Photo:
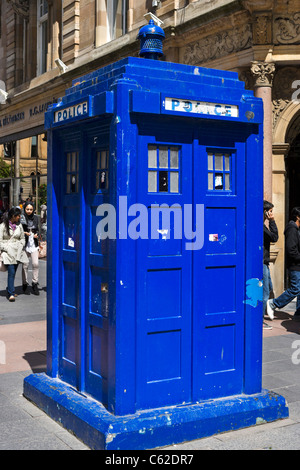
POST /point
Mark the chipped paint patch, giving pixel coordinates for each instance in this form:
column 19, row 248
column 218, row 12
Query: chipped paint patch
column 254, row 292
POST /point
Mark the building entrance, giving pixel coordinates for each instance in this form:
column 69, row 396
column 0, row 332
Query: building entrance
column 293, row 177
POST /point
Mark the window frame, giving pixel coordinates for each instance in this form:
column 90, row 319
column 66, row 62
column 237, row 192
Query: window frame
column 221, row 172
column 111, row 14
column 42, row 36
column 162, row 170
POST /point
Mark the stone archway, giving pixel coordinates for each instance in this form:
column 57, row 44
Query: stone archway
column 286, row 135
column 286, row 150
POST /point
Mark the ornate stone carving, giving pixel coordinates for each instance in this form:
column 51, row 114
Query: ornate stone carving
column 218, row 45
column 258, row 5
column 287, row 29
column 263, row 73
column 278, row 107
column 262, row 31
column 21, row 7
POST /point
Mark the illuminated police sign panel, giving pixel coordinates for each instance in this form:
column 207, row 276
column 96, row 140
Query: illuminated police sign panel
column 201, row 107
column 78, row 110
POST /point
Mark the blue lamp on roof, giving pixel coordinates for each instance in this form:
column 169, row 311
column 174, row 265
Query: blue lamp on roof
column 151, row 37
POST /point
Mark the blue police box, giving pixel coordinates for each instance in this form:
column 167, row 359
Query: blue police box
column 154, row 308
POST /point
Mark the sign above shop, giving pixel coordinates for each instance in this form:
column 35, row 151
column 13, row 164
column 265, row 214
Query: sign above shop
column 200, row 107
column 15, row 120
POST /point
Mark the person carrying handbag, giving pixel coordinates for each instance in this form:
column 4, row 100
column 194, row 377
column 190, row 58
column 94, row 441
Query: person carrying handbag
column 31, row 230
column 12, row 243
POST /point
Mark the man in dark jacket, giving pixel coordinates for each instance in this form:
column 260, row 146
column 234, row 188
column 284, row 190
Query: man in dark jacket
column 292, row 247
column 270, row 236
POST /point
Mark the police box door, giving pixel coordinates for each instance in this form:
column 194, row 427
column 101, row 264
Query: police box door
column 83, row 299
column 164, row 268
column 190, row 290
column 219, row 267
column 70, row 207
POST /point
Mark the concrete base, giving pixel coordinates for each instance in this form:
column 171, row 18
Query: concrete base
column 99, row 429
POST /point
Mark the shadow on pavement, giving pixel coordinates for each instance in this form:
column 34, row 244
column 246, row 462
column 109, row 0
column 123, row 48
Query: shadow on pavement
column 37, row 361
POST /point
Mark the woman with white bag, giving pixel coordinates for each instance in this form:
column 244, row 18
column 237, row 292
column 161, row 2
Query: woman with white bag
column 12, row 242
column 31, row 229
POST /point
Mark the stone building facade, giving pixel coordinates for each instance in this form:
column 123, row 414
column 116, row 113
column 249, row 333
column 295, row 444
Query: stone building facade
column 44, row 45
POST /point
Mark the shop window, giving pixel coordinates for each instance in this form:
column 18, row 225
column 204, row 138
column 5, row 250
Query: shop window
column 219, row 170
column 34, row 147
column 9, row 149
column 163, row 169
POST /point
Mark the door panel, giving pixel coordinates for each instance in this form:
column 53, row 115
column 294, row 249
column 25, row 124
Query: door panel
column 96, row 267
column 71, row 185
column 84, row 267
column 164, row 273
column 218, row 292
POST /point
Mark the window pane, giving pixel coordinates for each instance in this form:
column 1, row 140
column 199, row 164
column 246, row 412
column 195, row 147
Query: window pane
column 103, row 159
column 174, row 157
column 74, row 162
column 218, row 161
column 163, row 157
column 68, row 183
column 152, row 157
column 227, row 162
column 210, row 181
column 44, row 45
column 74, row 184
column 68, row 162
column 174, row 182
column 152, row 181
column 227, row 181
column 163, row 181
column 43, row 7
column 98, row 160
column 210, row 161
column 219, row 181
column 103, row 180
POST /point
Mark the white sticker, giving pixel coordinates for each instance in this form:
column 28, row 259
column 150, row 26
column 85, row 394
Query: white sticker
column 213, row 237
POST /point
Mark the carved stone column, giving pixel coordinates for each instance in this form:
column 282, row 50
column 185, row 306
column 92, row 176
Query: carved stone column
column 263, row 73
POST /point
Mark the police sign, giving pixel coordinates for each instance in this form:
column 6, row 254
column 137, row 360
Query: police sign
column 201, row 107
column 78, row 110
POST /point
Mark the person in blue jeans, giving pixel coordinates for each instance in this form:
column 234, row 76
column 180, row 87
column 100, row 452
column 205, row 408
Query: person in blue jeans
column 292, row 247
column 270, row 236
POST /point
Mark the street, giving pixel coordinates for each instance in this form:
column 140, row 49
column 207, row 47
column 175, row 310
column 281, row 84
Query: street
column 23, row 351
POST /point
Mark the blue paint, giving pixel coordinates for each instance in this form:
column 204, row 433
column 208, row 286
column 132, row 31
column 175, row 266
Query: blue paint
column 150, row 326
column 254, row 292
column 100, row 430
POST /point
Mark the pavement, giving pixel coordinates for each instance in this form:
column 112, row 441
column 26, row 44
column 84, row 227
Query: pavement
column 23, row 426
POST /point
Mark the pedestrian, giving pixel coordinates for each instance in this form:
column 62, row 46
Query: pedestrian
column 31, row 230
column 270, row 236
column 44, row 222
column 12, row 243
column 292, row 248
